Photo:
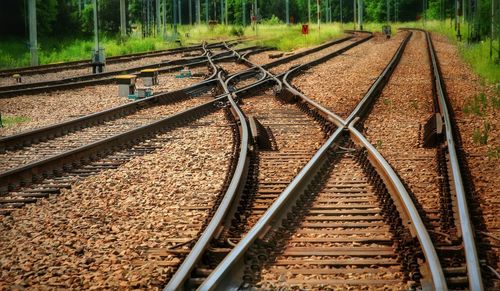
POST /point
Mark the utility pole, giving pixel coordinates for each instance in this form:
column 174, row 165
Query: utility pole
column 206, row 11
column 360, row 14
column 355, row 14
column 459, row 36
column 198, row 12
column 492, row 29
column 227, row 14
column 158, row 18
column 388, row 11
column 341, row 13
column 424, row 6
column 309, row 10
column 318, row 12
column 96, row 27
column 256, row 17
column 174, row 10
column 287, row 6
column 190, row 12
column 221, row 11
column 179, row 5
column 33, row 34
column 164, row 20
column 123, row 19
column 243, row 10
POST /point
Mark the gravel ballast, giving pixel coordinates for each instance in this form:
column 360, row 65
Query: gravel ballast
column 396, row 124
column 462, row 86
column 102, row 233
column 340, row 83
column 53, row 107
column 87, row 71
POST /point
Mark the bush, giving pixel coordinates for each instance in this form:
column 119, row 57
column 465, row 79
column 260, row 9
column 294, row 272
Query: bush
column 272, row 21
column 237, row 31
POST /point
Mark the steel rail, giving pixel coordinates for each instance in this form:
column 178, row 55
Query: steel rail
column 235, row 187
column 471, row 256
column 225, row 274
column 34, row 171
column 182, row 274
column 377, row 86
column 33, row 136
column 48, row 68
column 223, row 277
column 400, row 194
column 41, row 134
column 102, row 78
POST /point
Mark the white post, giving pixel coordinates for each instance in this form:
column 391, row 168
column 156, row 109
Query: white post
column 287, row 6
column 164, row 17
column 123, row 19
column 179, row 5
column 243, row 9
column 360, row 14
column 388, row 9
column 355, row 14
column 198, row 12
column 206, row 11
column 33, row 34
column 341, row 15
column 158, row 20
column 309, row 10
column 190, row 12
column 96, row 27
column 318, row 11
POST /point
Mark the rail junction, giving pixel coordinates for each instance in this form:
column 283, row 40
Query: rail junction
column 304, row 198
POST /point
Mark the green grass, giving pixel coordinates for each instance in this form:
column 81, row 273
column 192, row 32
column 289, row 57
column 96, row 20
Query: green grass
column 477, row 55
column 12, row 120
column 14, row 53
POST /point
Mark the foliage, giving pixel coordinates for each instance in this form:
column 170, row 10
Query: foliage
column 7, row 121
column 481, row 136
column 272, row 21
column 476, row 105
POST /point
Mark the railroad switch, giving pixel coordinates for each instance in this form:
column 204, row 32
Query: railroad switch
column 386, row 29
column 149, row 77
column 98, row 61
column 185, row 73
column 433, row 131
column 142, row 92
column 17, row 77
column 126, row 85
column 260, row 134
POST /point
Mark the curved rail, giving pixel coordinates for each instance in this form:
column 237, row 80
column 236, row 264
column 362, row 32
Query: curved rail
column 103, row 78
column 223, row 276
column 235, row 187
column 471, row 257
column 416, row 224
column 33, row 136
column 48, row 68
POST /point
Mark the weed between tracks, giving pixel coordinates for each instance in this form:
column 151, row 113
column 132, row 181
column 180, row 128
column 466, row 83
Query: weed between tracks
column 7, row 121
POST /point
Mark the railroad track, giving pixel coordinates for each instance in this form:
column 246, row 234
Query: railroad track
column 85, row 64
column 108, row 77
column 266, row 229
column 349, row 189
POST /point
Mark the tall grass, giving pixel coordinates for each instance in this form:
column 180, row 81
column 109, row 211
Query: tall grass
column 14, row 53
column 477, row 55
